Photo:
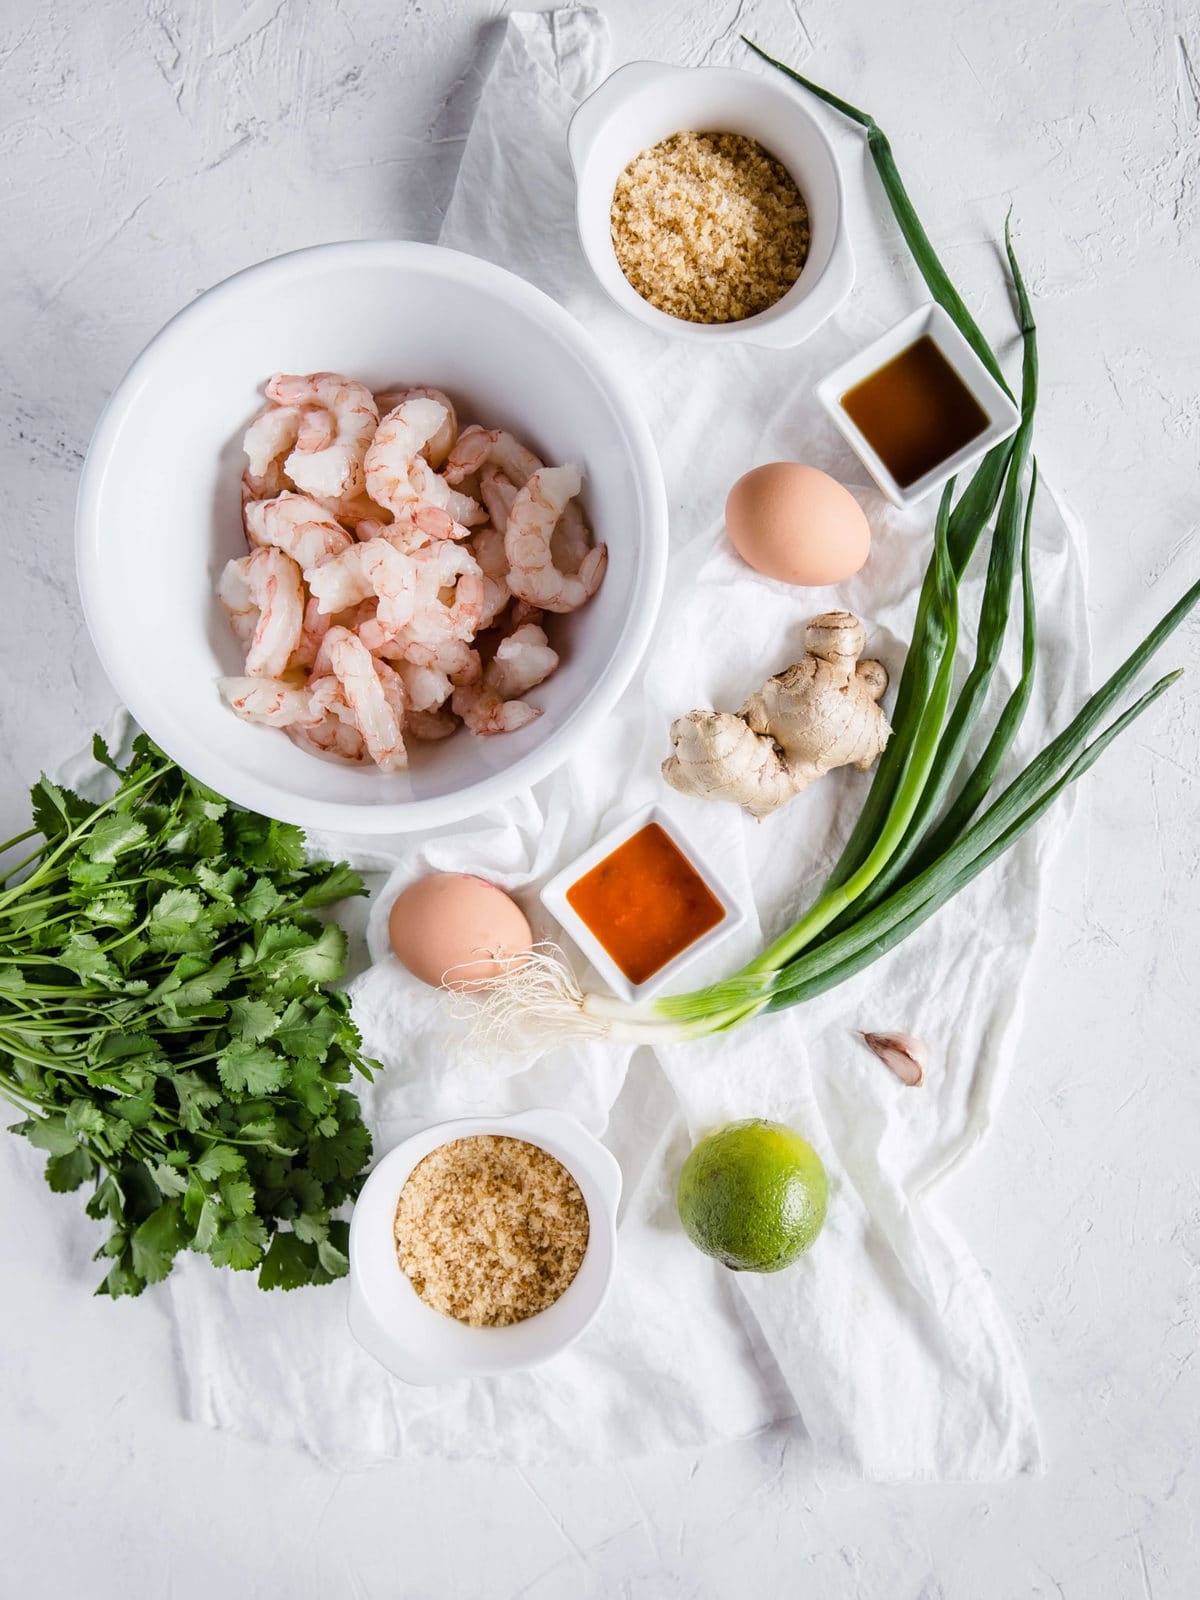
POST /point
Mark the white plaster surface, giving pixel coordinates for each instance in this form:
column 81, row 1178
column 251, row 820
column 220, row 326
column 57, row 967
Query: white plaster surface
column 151, row 147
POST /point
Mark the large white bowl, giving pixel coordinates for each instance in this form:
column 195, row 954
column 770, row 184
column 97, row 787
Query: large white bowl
column 158, row 512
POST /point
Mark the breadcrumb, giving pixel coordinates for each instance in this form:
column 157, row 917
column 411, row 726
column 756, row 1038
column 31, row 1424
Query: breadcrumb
column 709, row 227
column 490, row 1230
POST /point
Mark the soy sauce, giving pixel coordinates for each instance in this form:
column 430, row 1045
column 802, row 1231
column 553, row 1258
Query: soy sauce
column 915, row 412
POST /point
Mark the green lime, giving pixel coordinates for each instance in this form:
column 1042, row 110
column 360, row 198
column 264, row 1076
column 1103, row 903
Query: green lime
column 753, row 1194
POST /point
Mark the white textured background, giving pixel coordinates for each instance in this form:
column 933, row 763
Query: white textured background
column 148, row 149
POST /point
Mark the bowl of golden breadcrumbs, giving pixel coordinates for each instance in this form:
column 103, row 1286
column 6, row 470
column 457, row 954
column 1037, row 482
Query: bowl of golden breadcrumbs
column 710, row 204
column 482, row 1246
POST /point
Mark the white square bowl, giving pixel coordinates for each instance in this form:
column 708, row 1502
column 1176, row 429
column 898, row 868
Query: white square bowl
column 554, row 898
column 1002, row 414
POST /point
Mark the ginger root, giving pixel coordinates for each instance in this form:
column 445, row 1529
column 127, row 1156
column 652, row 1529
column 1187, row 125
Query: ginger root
column 819, row 714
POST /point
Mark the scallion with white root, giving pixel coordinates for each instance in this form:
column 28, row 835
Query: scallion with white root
column 931, row 821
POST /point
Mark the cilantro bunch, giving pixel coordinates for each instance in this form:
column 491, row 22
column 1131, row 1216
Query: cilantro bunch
column 164, row 1025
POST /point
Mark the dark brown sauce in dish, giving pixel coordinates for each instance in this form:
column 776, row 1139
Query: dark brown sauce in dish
column 915, row 412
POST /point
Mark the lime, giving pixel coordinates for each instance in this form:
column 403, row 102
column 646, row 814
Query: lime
column 753, row 1194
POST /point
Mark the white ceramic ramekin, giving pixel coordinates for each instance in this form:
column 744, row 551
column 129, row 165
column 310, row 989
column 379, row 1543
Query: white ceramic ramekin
column 554, row 898
column 644, row 102
column 1002, row 414
column 418, row 1344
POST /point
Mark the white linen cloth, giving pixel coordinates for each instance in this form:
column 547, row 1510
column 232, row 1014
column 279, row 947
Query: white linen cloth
column 885, row 1343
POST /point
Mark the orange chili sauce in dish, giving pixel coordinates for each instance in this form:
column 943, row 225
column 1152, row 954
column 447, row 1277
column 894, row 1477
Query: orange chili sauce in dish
column 645, row 903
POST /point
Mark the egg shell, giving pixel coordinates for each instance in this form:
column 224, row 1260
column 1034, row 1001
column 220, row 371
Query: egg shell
column 450, row 920
column 797, row 524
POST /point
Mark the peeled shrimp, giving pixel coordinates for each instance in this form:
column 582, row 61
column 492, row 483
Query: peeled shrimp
column 487, row 546
column 268, row 583
column 430, row 725
column 371, row 571
column 237, row 602
column 438, row 446
column 450, row 603
column 272, row 436
column 522, row 660
column 329, row 737
column 452, row 657
column 427, row 688
column 298, row 526
column 376, row 570
column 396, row 472
column 336, row 470
column 532, row 574
column 266, row 700
column 498, row 495
column 494, row 705
column 485, row 712
column 374, row 694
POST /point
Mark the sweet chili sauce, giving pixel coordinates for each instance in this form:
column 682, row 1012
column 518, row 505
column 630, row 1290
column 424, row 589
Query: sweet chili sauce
column 645, row 903
column 915, row 411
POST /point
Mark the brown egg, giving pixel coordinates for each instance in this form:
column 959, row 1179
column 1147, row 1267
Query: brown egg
column 455, row 929
column 797, row 524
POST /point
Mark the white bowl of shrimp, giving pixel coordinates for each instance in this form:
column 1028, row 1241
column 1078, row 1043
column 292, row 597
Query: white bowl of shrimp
column 370, row 537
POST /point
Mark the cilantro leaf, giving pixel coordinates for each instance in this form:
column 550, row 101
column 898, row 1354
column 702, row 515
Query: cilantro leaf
column 112, row 836
column 252, row 1019
column 179, row 921
column 239, row 1244
column 157, row 1241
column 68, row 1172
column 247, row 1068
column 288, row 1264
column 337, row 882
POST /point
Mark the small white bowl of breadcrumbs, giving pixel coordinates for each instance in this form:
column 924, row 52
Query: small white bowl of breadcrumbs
column 483, row 1246
column 710, row 204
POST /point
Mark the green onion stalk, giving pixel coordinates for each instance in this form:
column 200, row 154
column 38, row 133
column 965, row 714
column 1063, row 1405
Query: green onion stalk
column 931, row 820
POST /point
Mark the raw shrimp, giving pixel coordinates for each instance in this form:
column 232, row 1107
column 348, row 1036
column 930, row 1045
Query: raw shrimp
column 272, row 435
column 570, row 543
column 532, row 574
column 429, row 725
column 427, row 689
column 471, row 451
column 516, row 462
column 498, row 496
column 362, row 571
column 396, row 472
column 312, row 632
column 452, row 657
column 298, row 526
column 484, row 711
column 438, row 447
column 267, row 700
column 335, row 471
column 373, row 567
column 329, row 737
column 237, row 602
column 493, row 705
column 446, row 568
column 522, row 660
column 267, row 582
column 374, row 693
column 477, row 447
column 487, row 546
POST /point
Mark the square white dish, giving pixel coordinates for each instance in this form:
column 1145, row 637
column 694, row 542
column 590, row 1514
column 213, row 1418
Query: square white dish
column 554, row 898
column 1002, row 413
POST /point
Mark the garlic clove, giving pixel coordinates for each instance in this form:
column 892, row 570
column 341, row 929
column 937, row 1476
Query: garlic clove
column 902, row 1054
